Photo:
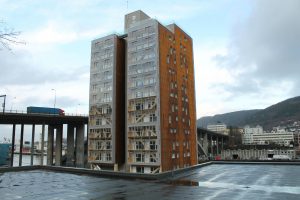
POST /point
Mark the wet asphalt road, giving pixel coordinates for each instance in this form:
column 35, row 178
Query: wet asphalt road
column 210, row 182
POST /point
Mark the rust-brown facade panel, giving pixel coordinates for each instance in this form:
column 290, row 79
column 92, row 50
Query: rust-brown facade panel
column 178, row 128
column 120, row 102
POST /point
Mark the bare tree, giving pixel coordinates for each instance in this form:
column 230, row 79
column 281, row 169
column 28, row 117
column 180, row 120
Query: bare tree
column 8, row 36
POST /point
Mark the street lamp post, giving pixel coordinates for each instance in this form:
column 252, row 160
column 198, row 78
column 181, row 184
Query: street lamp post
column 54, row 97
column 3, row 105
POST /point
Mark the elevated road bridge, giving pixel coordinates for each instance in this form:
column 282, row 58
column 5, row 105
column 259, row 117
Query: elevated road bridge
column 54, row 123
column 210, row 144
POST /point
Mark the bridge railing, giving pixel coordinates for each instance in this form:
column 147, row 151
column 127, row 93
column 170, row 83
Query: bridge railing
column 76, row 114
column 15, row 111
column 25, row 112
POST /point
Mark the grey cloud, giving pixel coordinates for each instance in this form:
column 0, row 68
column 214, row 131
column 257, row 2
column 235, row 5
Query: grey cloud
column 18, row 68
column 265, row 47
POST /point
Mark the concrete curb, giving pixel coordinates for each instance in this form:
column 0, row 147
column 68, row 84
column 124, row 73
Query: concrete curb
column 258, row 162
column 165, row 176
column 103, row 173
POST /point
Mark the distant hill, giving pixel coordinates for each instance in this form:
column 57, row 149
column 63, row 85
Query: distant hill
column 281, row 113
column 233, row 118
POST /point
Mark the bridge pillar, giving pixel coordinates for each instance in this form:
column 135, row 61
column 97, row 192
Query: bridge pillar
column 21, row 144
column 211, row 146
column 80, row 146
column 205, row 144
column 58, row 145
column 70, row 146
column 222, row 143
column 32, row 144
column 42, row 145
column 217, row 145
column 50, row 145
column 13, row 145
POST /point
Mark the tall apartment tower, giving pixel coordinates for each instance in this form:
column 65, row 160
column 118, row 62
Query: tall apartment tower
column 107, row 96
column 160, row 113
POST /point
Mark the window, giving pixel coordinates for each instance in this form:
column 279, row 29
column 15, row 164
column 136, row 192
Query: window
column 171, row 85
column 96, row 55
column 153, row 145
column 170, row 119
column 107, row 75
column 96, row 64
column 139, row 106
column 138, row 94
column 108, row 110
column 138, row 83
column 108, row 145
column 139, row 157
column 151, row 80
column 106, row 97
column 106, row 64
column 99, row 157
column 152, row 118
column 137, row 117
column 139, row 145
column 152, row 158
column 139, row 169
column 97, row 121
column 107, row 86
column 108, row 157
column 98, row 145
column 150, row 103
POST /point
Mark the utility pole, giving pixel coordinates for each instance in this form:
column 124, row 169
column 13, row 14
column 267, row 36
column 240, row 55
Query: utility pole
column 3, row 104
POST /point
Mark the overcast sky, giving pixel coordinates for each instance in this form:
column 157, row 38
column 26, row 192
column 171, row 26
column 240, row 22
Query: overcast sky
column 247, row 53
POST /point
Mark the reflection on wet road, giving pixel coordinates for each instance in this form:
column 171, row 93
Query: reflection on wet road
column 210, row 182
